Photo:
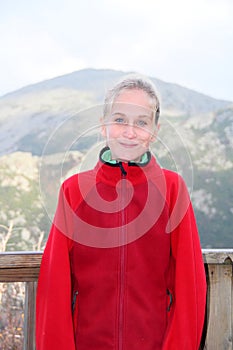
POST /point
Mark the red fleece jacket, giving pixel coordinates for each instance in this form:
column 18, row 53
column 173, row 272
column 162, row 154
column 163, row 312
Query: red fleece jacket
column 122, row 268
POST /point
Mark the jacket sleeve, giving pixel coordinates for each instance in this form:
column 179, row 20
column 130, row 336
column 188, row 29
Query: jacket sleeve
column 54, row 325
column 189, row 283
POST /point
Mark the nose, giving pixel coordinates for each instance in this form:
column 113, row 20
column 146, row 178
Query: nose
column 129, row 131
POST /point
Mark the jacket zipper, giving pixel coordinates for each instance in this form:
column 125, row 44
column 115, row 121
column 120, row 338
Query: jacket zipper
column 122, row 263
column 121, row 295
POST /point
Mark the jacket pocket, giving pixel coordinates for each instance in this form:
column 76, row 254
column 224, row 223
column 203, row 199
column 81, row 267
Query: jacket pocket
column 170, row 300
column 75, row 309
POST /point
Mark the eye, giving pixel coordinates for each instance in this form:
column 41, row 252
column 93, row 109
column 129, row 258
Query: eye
column 119, row 120
column 142, row 123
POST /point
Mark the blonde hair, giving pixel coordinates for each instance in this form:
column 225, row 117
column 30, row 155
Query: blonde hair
column 133, row 82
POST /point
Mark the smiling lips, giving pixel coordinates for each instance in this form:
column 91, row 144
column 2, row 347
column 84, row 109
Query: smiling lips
column 128, row 145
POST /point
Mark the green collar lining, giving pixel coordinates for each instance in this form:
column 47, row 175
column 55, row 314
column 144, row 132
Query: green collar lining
column 107, row 157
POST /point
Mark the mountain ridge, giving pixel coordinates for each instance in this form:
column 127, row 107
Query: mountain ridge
column 78, row 80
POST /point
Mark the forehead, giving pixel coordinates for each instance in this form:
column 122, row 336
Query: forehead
column 132, row 101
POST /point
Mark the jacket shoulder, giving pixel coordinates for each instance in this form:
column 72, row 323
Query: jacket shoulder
column 76, row 187
column 73, row 181
column 172, row 178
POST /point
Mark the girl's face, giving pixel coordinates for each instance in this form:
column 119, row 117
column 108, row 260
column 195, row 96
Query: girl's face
column 130, row 127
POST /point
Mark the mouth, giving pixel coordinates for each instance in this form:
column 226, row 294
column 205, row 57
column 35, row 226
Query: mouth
column 128, row 145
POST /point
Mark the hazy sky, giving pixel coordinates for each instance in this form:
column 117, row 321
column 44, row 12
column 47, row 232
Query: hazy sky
column 188, row 42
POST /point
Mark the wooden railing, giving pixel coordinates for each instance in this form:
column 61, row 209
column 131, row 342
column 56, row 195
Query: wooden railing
column 23, row 267
column 218, row 330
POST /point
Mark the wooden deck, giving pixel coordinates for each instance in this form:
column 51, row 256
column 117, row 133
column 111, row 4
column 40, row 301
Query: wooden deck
column 218, row 330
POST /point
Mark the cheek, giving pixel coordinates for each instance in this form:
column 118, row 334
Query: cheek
column 113, row 131
column 145, row 136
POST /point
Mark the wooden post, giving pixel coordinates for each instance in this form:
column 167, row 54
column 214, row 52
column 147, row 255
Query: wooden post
column 29, row 319
column 219, row 301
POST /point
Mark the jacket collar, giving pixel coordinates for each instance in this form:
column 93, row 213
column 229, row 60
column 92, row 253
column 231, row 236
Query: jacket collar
column 111, row 171
column 106, row 157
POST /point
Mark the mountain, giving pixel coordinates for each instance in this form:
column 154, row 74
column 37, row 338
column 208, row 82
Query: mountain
column 51, row 129
column 29, row 115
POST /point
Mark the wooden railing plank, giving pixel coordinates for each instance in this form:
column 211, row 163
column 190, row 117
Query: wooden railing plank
column 217, row 256
column 19, row 266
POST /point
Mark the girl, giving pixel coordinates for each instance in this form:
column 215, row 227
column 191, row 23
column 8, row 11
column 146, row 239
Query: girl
column 122, row 268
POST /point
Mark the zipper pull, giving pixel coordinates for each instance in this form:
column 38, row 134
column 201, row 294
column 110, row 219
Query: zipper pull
column 123, row 171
